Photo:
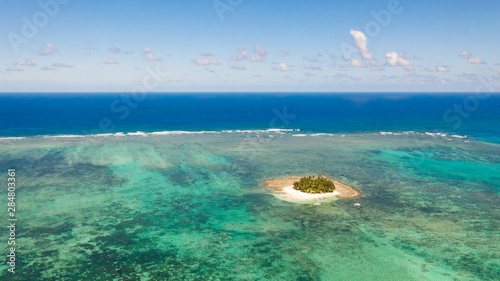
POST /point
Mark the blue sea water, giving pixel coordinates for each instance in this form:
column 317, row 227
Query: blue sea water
column 183, row 199
column 51, row 114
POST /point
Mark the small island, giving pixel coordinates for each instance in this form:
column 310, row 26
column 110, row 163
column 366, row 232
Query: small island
column 314, row 184
column 310, row 188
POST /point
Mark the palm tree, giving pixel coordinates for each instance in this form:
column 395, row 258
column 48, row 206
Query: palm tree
column 312, row 184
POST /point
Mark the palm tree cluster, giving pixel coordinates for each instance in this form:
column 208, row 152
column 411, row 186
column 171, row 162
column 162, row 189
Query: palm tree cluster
column 314, row 184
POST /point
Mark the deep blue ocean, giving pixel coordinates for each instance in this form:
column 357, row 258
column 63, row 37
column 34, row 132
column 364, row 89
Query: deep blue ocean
column 477, row 116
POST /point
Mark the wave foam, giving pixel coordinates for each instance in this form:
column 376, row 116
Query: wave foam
column 321, row 134
column 163, row 133
column 264, row 133
column 63, row 136
column 138, row 133
column 166, row 133
column 436, row 134
column 12, row 138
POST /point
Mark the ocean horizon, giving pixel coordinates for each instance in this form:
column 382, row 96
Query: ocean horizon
column 29, row 114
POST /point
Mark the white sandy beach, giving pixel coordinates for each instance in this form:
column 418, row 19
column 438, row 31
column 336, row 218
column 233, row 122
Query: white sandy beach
column 289, row 193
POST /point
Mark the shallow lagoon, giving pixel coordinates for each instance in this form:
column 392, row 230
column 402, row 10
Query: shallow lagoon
column 191, row 207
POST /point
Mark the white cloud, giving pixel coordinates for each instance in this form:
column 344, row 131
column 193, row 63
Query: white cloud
column 464, row 54
column 13, row 68
column 47, row 49
column 356, row 63
column 205, row 62
column 470, row 58
column 341, row 74
column 284, row 51
column 150, row 56
column 257, row 58
column 62, row 64
column 153, row 58
column 28, row 62
column 259, row 54
column 360, row 39
column 238, row 67
column 441, row 68
column 259, row 51
column 242, row 54
column 475, row 60
column 115, row 50
column 314, row 66
column 281, row 67
column 111, row 61
column 393, row 59
column 206, row 54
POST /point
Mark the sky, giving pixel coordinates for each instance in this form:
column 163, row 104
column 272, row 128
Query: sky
column 249, row 46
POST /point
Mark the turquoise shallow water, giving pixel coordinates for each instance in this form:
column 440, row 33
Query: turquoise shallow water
column 192, row 207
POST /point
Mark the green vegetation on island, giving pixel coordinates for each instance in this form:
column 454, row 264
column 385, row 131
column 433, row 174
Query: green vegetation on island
column 314, row 184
